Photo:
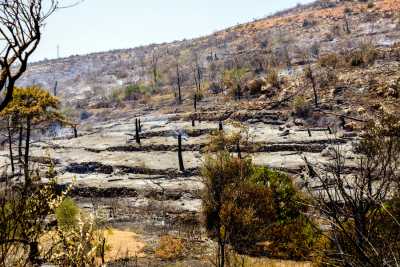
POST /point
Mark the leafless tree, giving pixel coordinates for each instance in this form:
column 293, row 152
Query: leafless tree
column 154, row 66
column 310, row 76
column 356, row 200
column 179, row 81
column 197, row 72
column 21, row 23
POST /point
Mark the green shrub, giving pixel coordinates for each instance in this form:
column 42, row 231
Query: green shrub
column 67, row 213
column 256, row 210
column 133, row 91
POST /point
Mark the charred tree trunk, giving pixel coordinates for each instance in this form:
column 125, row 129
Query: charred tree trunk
column 55, row 88
column 310, row 76
column 75, row 131
column 221, row 252
column 178, row 81
column 140, row 125
column 20, row 143
column 195, row 102
column 180, row 159
column 220, row 126
column 239, row 92
column 26, row 156
column 346, row 25
column 239, row 152
column 10, row 147
column 137, row 136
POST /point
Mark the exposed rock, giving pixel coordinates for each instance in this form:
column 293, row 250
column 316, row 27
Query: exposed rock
column 262, row 98
column 298, row 122
column 89, row 167
column 285, row 133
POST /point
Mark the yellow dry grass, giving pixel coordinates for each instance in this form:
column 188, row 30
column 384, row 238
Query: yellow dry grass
column 275, row 263
column 123, row 244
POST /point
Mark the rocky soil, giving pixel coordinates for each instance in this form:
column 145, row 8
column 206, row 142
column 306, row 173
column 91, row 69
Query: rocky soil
column 141, row 185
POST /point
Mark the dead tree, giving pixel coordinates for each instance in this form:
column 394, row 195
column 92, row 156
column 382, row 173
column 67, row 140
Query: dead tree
column 20, row 138
column 21, row 23
column 220, row 126
column 197, row 73
column 154, row 67
column 355, row 204
column 137, row 135
column 178, row 82
column 10, row 143
column 55, row 88
column 180, row 159
column 74, row 127
column 239, row 152
column 195, row 102
column 238, row 92
column 310, row 76
column 346, row 24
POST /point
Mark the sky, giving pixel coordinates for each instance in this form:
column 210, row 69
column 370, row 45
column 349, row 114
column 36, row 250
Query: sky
column 102, row 25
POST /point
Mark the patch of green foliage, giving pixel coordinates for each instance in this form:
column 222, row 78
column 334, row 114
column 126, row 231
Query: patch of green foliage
column 67, row 213
column 131, row 92
column 256, row 210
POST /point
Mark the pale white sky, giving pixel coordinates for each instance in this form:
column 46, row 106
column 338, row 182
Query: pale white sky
column 101, row 25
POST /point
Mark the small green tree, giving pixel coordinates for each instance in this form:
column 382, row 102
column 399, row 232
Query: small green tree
column 30, row 106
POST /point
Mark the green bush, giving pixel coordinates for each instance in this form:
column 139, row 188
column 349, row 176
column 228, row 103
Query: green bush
column 256, row 210
column 67, row 213
column 131, row 92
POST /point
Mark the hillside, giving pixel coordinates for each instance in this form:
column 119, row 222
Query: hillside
column 302, row 32
column 285, row 92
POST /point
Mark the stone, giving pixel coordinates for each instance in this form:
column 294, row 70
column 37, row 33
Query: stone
column 298, row 122
column 285, row 133
column 262, row 98
column 361, row 110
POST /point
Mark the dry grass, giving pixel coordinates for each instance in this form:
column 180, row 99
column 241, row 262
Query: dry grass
column 170, row 248
column 275, row 263
column 123, row 244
